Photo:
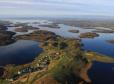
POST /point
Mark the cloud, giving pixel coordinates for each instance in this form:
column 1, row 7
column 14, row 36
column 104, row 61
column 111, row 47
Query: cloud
column 56, row 7
column 15, row 2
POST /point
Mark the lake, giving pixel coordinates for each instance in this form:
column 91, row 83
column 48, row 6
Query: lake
column 26, row 51
column 102, row 73
column 20, row 52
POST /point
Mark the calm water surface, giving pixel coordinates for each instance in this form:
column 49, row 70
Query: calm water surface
column 102, row 73
column 20, row 52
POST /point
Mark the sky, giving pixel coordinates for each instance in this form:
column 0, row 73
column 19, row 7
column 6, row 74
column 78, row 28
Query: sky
column 56, row 7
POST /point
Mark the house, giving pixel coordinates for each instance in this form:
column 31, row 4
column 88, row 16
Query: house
column 19, row 72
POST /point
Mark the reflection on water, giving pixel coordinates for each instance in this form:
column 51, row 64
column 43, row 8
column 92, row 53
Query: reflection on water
column 21, row 52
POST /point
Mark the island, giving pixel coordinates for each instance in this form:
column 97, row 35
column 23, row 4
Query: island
column 30, row 28
column 111, row 41
column 103, row 31
column 88, row 35
column 25, row 28
column 18, row 24
column 51, row 25
column 21, row 30
column 74, row 31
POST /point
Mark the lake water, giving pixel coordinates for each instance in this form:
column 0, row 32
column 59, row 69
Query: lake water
column 100, row 44
column 20, row 52
column 25, row 51
column 102, row 73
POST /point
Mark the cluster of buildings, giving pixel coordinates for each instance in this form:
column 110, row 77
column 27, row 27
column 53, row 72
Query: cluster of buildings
column 40, row 65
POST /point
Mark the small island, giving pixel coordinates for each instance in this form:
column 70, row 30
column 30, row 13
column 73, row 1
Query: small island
column 88, row 35
column 111, row 41
column 103, row 31
column 52, row 25
column 25, row 28
column 18, row 24
column 30, row 28
column 74, row 31
column 21, row 30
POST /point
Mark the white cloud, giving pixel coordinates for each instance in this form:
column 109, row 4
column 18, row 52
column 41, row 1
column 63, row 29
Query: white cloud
column 15, row 1
column 56, row 7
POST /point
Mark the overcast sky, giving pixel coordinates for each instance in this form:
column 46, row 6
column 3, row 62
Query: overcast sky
column 56, row 7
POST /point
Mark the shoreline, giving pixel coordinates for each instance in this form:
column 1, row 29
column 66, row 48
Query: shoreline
column 84, row 72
